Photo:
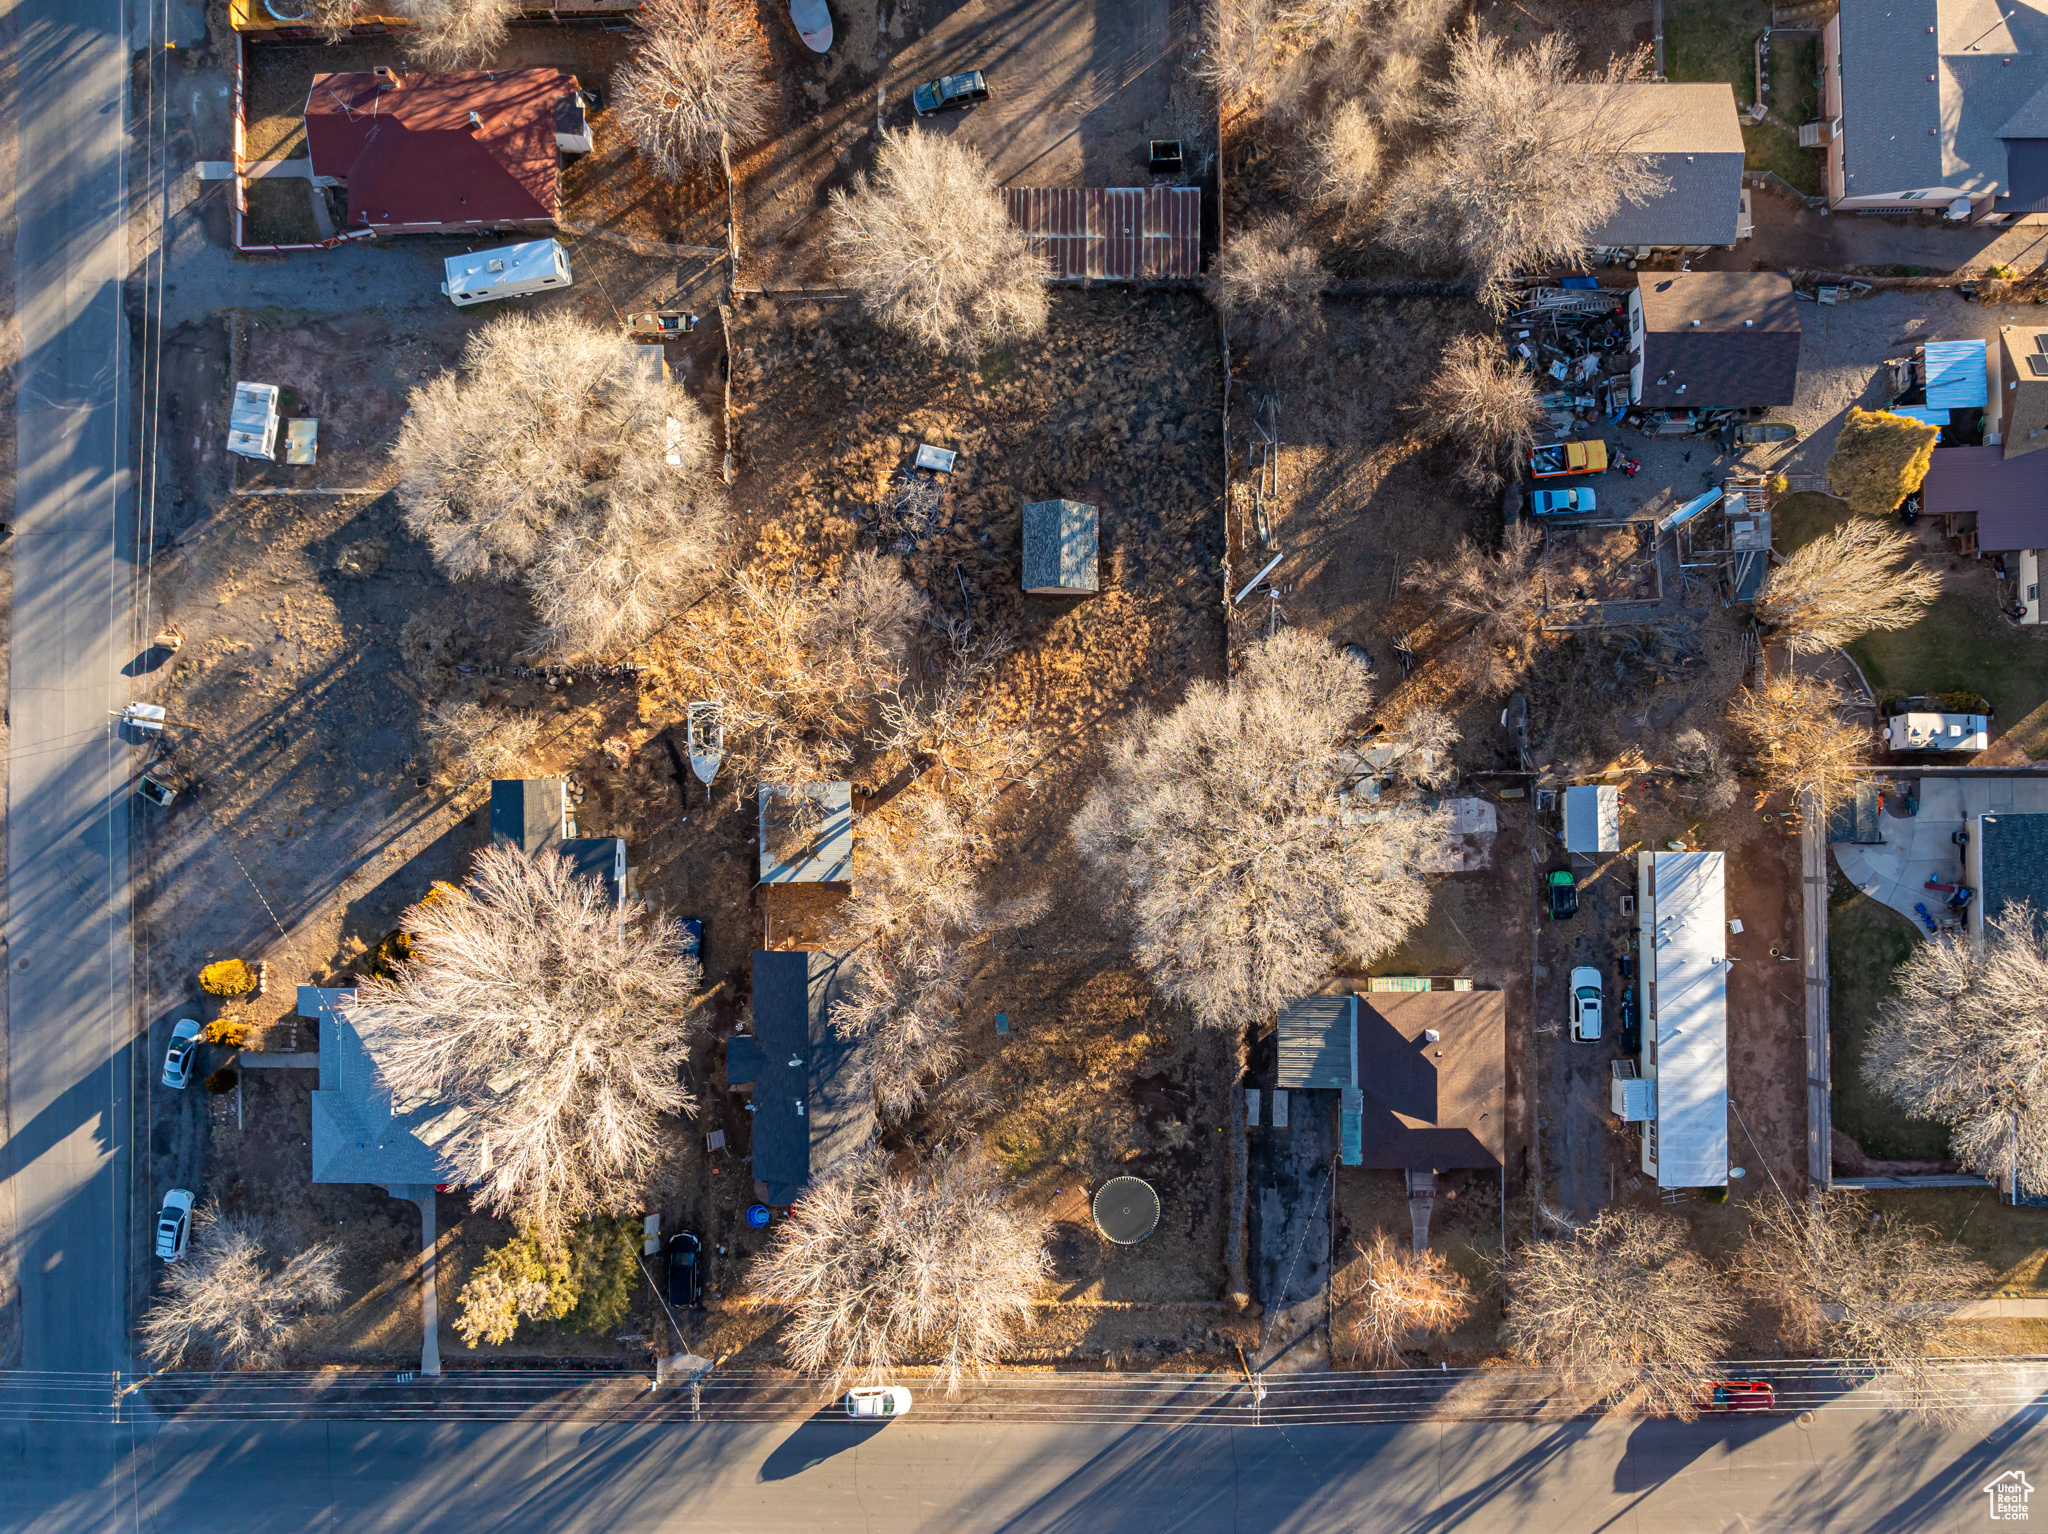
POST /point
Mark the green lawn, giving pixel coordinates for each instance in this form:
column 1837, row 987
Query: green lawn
column 1711, row 40
column 1866, row 942
column 1961, row 646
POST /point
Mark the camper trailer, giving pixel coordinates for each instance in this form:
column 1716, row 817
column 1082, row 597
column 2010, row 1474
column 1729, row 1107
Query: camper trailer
column 513, row 271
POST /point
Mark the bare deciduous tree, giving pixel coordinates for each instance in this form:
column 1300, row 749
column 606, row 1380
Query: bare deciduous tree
column 1391, row 1294
column 554, row 1021
column 1871, row 1289
column 1964, row 1039
column 1237, row 52
column 950, row 729
column 909, row 929
column 879, row 1270
column 1704, row 759
column 1219, row 827
column 1880, row 459
column 697, row 86
column 1527, row 161
column 552, row 457
column 1492, row 592
column 231, row 1295
column 471, row 744
column 798, row 666
column 1489, row 409
column 1268, row 286
column 1624, row 1304
column 1844, row 584
column 927, row 248
column 453, row 34
column 1344, row 158
column 1802, row 741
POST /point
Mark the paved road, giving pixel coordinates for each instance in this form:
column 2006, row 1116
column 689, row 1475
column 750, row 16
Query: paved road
column 69, row 955
column 1845, row 1470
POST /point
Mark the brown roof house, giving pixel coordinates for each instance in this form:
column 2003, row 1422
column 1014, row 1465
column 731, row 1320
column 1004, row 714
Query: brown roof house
column 2005, row 481
column 451, row 153
column 1690, row 136
column 1713, row 340
column 1422, row 1075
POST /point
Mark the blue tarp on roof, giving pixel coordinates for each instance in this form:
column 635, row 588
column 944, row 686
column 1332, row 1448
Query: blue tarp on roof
column 1956, row 377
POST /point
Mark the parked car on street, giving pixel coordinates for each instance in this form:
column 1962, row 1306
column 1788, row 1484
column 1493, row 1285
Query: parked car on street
column 1564, row 894
column 174, row 1225
column 877, row 1401
column 1738, row 1395
column 183, row 1051
column 686, row 1271
column 1562, row 458
column 950, row 93
column 1556, row 503
column 1586, row 1005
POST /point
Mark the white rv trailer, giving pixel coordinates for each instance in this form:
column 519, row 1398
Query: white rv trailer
column 512, row 271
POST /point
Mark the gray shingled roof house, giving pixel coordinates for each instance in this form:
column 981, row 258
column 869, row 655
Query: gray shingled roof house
column 2006, row 859
column 533, row 815
column 1937, row 100
column 359, row 1133
column 1061, row 539
column 809, row 1108
column 1713, row 340
column 1691, row 136
column 806, row 833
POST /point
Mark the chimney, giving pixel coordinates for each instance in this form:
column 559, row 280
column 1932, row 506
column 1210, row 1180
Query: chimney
column 476, row 120
column 387, row 77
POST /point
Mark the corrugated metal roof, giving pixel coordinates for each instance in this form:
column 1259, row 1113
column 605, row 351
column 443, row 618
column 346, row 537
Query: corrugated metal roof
column 1060, row 541
column 1318, row 1043
column 1592, row 818
column 1112, row 234
column 1956, row 376
column 1685, row 965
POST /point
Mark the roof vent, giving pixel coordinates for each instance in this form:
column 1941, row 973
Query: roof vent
column 1695, row 324
column 1749, row 324
column 1431, row 1035
column 386, row 76
column 476, row 119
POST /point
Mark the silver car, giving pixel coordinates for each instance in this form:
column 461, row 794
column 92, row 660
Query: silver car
column 183, row 1051
column 877, row 1401
column 1586, row 1003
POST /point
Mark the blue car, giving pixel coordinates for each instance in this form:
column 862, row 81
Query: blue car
column 950, row 93
column 1557, row 503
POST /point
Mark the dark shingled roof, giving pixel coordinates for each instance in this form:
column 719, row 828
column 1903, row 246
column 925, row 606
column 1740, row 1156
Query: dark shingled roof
column 813, row 1112
column 1433, row 1105
column 1695, row 339
column 528, row 812
column 2009, row 495
column 1315, row 1043
column 2015, row 861
column 602, row 858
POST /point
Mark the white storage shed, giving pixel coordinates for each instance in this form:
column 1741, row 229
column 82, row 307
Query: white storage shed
column 1592, row 819
column 511, row 271
column 252, row 421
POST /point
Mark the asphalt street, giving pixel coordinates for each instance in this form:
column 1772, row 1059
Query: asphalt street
column 69, row 949
column 1839, row 1470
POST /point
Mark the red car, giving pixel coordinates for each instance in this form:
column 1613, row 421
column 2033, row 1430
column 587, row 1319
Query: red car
column 1738, row 1395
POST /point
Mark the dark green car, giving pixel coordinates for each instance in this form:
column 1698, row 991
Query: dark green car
column 1564, row 895
column 950, row 93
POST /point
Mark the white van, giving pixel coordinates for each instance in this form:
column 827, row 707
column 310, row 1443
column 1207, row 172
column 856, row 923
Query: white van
column 513, row 271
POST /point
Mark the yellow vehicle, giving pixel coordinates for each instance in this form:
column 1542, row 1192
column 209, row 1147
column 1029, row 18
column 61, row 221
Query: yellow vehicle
column 1563, row 458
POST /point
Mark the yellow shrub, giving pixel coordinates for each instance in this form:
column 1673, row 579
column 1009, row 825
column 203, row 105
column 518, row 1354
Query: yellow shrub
column 230, row 977
column 229, row 1030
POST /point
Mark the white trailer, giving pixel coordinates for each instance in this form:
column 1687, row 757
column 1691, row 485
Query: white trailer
column 252, row 421
column 512, row 271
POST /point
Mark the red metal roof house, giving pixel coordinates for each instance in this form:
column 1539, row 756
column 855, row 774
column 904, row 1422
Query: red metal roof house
column 423, row 154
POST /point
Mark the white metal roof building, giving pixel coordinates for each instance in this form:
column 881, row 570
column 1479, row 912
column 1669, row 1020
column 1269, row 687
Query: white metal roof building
column 1682, row 904
column 1592, row 818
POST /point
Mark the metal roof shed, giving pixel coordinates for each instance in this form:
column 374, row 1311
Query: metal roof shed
column 1592, row 818
column 1682, row 906
column 1060, row 540
column 1318, row 1043
column 1957, row 376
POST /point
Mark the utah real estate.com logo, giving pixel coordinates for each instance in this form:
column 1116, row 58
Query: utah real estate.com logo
column 2008, row 1496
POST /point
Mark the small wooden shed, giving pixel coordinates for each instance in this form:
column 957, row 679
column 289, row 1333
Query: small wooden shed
column 1060, row 540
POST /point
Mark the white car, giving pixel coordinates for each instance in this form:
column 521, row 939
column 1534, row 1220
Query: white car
column 1586, row 1004
column 184, row 1049
column 877, row 1401
column 174, row 1225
